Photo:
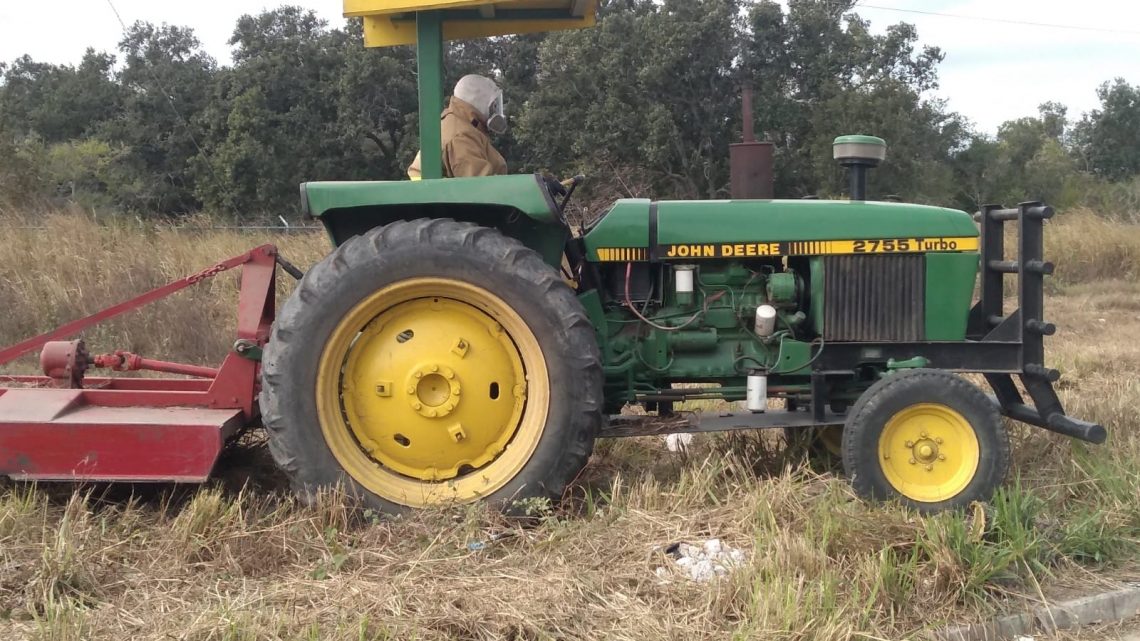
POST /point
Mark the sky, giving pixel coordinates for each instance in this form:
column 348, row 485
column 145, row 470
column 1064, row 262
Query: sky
column 994, row 71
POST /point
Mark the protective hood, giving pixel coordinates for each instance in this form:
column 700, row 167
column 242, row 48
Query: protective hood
column 487, row 98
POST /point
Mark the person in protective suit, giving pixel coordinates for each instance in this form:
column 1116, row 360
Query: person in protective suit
column 476, row 111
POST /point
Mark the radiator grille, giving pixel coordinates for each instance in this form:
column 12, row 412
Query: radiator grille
column 874, row 298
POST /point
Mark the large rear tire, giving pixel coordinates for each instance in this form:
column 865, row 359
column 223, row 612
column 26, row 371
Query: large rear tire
column 432, row 362
column 927, row 438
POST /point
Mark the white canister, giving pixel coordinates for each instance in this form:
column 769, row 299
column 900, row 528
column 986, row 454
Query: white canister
column 757, row 393
column 765, row 320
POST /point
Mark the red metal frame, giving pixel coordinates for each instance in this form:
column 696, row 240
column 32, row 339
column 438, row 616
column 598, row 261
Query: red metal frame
column 136, row 429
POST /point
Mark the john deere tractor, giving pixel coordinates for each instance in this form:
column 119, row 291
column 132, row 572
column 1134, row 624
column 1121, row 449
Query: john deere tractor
column 440, row 354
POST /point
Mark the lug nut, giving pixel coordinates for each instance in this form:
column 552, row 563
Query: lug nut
column 929, row 468
column 938, row 440
column 910, row 443
column 923, row 435
column 912, row 461
column 941, row 457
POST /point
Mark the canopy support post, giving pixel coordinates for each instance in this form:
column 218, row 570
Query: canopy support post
column 429, row 62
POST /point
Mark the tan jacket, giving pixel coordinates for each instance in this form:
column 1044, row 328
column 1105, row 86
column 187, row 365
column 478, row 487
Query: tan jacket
column 467, row 149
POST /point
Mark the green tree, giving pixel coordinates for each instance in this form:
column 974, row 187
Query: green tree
column 59, row 102
column 80, row 170
column 272, row 120
column 820, row 73
column 652, row 87
column 1106, row 137
column 376, row 107
column 978, row 173
column 167, row 79
column 24, row 179
column 1027, row 160
column 653, row 92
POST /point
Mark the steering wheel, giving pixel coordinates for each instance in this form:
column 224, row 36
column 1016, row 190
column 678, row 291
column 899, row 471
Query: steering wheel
column 571, row 185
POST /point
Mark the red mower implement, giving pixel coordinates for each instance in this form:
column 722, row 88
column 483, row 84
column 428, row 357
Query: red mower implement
column 66, row 426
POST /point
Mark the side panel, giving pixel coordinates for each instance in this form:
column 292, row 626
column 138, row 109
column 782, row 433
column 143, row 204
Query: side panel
column 624, row 226
column 950, row 282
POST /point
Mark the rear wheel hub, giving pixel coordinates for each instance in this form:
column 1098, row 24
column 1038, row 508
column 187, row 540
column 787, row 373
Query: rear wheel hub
column 432, row 390
column 461, row 394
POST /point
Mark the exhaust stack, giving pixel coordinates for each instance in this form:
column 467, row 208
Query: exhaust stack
column 751, row 163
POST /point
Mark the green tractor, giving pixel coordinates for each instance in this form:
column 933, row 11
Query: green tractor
column 441, row 354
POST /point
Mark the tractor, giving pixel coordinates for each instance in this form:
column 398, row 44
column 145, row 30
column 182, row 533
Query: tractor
column 462, row 342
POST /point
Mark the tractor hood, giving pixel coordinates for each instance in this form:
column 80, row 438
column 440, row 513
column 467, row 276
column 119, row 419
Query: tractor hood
column 712, row 229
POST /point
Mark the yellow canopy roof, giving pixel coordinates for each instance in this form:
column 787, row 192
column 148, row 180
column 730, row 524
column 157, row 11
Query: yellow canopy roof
column 389, row 23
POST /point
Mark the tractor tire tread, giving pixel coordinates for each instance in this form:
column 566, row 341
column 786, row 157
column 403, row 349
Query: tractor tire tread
column 860, row 460
column 573, row 352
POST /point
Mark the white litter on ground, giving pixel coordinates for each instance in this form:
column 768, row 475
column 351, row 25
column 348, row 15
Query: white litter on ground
column 702, row 563
column 678, row 442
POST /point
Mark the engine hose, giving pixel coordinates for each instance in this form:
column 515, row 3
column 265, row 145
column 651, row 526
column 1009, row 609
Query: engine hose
column 811, row 361
column 663, row 370
column 630, row 306
column 624, row 366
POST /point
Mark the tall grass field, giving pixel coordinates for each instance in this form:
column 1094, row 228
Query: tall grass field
column 239, row 559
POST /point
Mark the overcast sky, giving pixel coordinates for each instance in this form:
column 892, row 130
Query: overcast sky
column 994, row 70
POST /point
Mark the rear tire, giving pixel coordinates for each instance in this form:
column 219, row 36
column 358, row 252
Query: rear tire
column 927, row 438
column 376, row 374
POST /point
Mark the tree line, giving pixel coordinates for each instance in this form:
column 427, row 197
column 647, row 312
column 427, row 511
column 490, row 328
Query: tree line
column 646, row 104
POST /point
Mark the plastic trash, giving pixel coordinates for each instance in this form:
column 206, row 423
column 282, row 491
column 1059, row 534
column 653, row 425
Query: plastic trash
column 702, row 563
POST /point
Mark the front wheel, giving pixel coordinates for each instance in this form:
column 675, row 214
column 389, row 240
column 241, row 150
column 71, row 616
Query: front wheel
column 928, row 438
column 432, row 362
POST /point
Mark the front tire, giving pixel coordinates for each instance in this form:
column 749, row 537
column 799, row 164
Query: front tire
column 432, row 362
column 927, row 438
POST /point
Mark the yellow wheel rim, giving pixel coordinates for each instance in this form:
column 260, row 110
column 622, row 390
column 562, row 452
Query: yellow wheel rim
column 432, row 391
column 929, row 452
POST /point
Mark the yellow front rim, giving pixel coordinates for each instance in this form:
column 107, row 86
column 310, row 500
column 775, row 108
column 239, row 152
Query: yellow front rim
column 929, row 452
column 432, row 391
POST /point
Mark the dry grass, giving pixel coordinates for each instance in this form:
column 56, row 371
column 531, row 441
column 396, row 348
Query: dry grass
column 244, row 561
column 1090, row 248
column 58, row 267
